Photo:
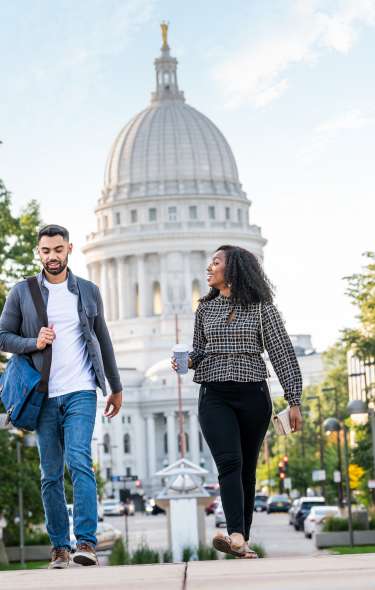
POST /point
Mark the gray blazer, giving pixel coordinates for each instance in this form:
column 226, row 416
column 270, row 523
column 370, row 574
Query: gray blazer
column 20, row 325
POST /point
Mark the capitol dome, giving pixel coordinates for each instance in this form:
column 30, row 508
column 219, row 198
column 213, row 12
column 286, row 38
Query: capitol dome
column 170, row 147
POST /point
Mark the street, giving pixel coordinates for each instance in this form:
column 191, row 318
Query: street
column 271, row 530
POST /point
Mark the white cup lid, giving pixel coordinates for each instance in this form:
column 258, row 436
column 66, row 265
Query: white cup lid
column 181, row 348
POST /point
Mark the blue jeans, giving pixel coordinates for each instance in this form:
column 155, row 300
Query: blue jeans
column 64, row 435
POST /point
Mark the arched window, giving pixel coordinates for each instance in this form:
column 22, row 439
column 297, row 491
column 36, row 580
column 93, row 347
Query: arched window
column 106, row 443
column 165, row 443
column 156, row 298
column 200, row 442
column 127, row 446
column 196, row 294
column 187, row 446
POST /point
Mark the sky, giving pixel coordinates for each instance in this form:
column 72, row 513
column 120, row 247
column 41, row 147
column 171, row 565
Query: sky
column 290, row 83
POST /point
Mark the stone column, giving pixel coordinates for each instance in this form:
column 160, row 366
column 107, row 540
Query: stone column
column 151, row 450
column 104, row 287
column 113, row 291
column 188, row 282
column 142, row 289
column 96, row 273
column 121, row 288
column 194, row 437
column 164, row 284
column 171, row 437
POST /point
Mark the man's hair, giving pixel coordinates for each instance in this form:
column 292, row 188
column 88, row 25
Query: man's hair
column 53, row 230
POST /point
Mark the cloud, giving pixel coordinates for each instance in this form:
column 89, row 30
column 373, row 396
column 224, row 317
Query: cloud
column 256, row 72
column 328, row 132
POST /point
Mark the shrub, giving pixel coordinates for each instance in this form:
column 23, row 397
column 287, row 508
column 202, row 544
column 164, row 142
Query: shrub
column 31, row 538
column 206, row 552
column 188, row 553
column 119, row 554
column 144, row 554
column 167, row 556
column 337, row 524
column 371, row 522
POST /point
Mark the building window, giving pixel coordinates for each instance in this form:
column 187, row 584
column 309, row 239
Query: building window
column 152, row 214
column 108, row 474
column 165, row 443
column 172, row 213
column 129, row 419
column 193, row 212
column 200, row 442
column 128, row 471
column 127, row 447
column 118, row 218
column 239, row 215
column 134, row 215
column 156, row 298
column 211, row 212
column 123, row 419
column 137, row 302
column 196, row 293
column 106, row 444
column 227, row 213
column 103, row 419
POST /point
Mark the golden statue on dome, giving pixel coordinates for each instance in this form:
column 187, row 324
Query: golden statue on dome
column 164, row 33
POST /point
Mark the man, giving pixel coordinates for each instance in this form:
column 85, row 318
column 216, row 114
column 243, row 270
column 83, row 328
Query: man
column 82, row 356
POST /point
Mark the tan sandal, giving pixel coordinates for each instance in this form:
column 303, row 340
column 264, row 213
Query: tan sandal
column 225, row 544
column 249, row 554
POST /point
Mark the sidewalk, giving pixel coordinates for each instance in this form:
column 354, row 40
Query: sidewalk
column 341, row 572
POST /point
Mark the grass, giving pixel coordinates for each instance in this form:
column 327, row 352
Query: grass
column 30, row 565
column 345, row 550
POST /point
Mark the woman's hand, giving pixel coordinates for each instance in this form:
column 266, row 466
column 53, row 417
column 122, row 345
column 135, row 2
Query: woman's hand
column 174, row 363
column 295, row 418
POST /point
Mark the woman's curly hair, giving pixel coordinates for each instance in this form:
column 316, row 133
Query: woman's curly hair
column 247, row 280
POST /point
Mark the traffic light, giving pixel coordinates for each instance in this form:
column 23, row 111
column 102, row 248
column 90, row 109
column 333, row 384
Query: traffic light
column 282, row 473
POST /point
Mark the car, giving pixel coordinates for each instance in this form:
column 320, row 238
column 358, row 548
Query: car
column 220, row 519
column 260, row 502
column 106, row 536
column 212, row 488
column 279, row 503
column 112, row 507
column 292, row 510
column 305, row 503
column 210, row 509
column 316, row 517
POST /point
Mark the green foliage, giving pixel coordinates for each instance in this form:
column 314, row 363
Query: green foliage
column 119, row 554
column 144, row 554
column 257, row 547
column 335, row 524
column 167, row 556
column 188, row 553
column 206, row 553
column 32, row 537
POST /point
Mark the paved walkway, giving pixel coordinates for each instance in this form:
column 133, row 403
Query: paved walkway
column 343, row 572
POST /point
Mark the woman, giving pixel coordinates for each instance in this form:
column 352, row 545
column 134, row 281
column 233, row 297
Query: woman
column 234, row 402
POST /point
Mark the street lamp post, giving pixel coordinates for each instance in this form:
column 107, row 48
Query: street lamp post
column 339, row 461
column 334, row 425
column 321, row 443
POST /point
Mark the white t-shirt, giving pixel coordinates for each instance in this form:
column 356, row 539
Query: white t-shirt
column 71, row 368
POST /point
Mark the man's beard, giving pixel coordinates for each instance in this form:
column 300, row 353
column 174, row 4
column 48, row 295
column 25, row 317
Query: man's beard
column 57, row 269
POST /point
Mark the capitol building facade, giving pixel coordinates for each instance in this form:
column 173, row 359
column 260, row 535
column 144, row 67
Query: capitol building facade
column 171, row 196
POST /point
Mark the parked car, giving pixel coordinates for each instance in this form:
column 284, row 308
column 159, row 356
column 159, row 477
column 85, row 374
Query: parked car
column 292, row 510
column 305, row 503
column 212, row 488
column 280, row 503
column 112, row 507
column 220, row 519
column 316, row 517
column 260, row 502
column 210, row 509
column 106, row 536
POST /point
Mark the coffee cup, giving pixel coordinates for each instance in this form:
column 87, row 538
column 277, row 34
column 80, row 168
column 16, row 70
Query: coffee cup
column 181, row 355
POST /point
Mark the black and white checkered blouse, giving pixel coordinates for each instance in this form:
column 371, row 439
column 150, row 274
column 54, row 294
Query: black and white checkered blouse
column 227, row 345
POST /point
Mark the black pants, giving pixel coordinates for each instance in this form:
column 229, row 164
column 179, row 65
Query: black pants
column 234, row 418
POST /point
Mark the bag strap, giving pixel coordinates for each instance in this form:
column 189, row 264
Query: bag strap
column 43, row 318
column 264, row 349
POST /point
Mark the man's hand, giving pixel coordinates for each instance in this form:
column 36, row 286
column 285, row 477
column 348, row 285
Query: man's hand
column 46, row 336
column 295, row 418
column 113, row 405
